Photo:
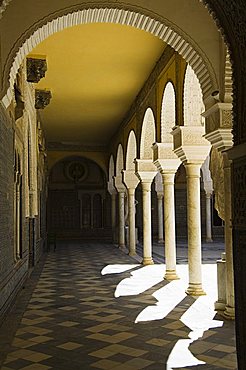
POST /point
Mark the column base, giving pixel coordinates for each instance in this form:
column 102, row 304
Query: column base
column 122, row 246
column 209, row 240
column 171, row 275
column 132, row 253
column 160, row 241
column 229, row 313
column 220, row 306
column 195, row 290
column 147, row 261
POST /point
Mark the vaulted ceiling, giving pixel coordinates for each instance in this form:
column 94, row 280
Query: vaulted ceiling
column 94, row 73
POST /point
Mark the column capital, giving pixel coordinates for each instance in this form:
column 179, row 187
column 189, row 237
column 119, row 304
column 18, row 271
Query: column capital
column 145, row 170
column 111, row 188
column 164, row 157
column 120, row 187
column 130, row 179
column 190, row 145
column 219, row 125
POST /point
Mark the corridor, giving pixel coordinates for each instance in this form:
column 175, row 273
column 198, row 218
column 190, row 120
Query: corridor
column 67, row 317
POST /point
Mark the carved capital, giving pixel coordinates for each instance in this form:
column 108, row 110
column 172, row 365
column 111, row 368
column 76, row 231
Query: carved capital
column 35, row 69
column 42, row 98
column 219, row 116
column 190, row 145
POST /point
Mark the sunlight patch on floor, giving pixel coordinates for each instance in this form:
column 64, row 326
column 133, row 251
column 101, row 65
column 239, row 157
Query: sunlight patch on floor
column 198, row 317
column 117, row 269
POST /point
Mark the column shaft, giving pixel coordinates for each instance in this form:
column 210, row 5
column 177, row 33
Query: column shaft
column 160, row 218
column 208, row 218
column 113, row 214
column 131, row 217
column 194, row 230
column 147, row 238
column 121, row 219
column 169, row 217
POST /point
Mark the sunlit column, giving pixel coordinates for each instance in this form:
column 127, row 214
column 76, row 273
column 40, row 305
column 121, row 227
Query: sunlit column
column 169, row 217
column 131, row 181
column 160, row 218
column 145, row 170
column 167, row 163
column 194, row 229
column 208, row 218
column 121, row 209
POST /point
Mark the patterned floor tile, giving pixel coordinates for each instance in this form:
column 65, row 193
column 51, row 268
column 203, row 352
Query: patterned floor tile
column 69, row 319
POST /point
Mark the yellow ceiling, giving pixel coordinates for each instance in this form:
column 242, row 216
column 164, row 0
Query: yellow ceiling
column 94, row 72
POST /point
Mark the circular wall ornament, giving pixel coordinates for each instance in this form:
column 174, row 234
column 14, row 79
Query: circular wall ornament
column 76, row 171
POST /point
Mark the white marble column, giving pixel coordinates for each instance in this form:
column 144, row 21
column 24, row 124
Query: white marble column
column 160, row 218
column 194, row 229
column 121, row 197
column 169, row 217
column 112, row 191
column 121, row 209
column 208, row 188
column 167, row 163
column 208, row 218
column 147, row 231
column 192, row 148
column 113, row 215
column 131, row 181
column 146, row 171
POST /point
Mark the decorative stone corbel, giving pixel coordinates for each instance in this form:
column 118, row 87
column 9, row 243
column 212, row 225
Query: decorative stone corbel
column 35, row 68
column 42, row 98
column 218, row 127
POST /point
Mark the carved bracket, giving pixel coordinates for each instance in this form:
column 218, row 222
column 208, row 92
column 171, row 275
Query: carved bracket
column 42, row 98
column 36, row 69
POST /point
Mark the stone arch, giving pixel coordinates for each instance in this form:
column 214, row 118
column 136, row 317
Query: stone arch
column 193, row 101
column 148, row 135
column 111, row 170
column 97, row 13
column 131, row 151
column 119, row 160
column 168, row 113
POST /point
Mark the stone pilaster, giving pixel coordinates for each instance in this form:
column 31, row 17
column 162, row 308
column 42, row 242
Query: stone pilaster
column 219, row 133
column 121, row 197
column 146, row 172
column 131, row 181
column 113, row 193
column 167, row 163
column 192, row 148
column 159, row 192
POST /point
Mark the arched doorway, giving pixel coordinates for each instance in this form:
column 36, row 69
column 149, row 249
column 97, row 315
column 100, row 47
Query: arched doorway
column 78, row 202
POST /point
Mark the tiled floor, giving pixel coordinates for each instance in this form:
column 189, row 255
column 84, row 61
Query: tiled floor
column 67, row 317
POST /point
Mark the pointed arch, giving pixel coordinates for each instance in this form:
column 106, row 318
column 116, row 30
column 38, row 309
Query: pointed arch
column 131, row 151
column 119, row 160
column 193, row 101
column 168, row 113
column 148, row 135
column 111, row 169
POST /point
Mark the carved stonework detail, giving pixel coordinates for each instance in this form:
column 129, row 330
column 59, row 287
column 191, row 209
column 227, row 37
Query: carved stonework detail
column 42, row 98
column 239, row 201
column 226, row 119
column 35, row 69
column 217, row 173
